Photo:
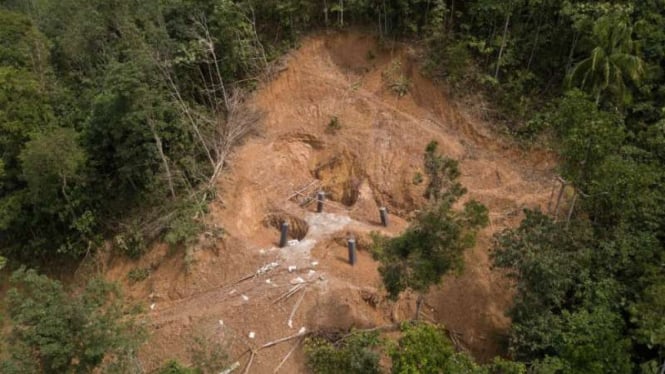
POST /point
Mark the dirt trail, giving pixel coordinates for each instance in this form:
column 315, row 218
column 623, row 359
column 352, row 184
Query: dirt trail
column 371, row 160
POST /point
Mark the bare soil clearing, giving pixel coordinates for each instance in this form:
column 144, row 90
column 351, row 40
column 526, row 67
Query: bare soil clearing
column 240, row 285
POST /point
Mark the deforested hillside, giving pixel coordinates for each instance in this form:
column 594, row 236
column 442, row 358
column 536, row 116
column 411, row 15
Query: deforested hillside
column 336, row 186
column 369, row 160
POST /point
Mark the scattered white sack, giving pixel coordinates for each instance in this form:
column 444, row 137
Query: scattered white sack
column 292, row 268
column 244, row 297
column 152, row 306
column 293, row 242
column 314, row 263
column 297, row 281
column 252, row 335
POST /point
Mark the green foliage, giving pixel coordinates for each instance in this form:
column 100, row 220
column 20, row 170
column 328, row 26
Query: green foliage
column 51, row 164
column 354, row 354
column 612, row 63
column 417, row 178
column 434, row 243
column 131, row 242
column 185, row 226
column 333, row 126
column 423, row 348
column 174, row 367
column 396, row 80
column 442, row 173
column 53, row 332
column 573, row 292
column 588, row 136
column 138, row 275
column 647, row 313
column 420, row 348
column 22, row 46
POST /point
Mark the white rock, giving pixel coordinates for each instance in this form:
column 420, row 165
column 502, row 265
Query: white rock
column 252, row 335
column 244, row 297
column 302, row 330
column 297, row 280
column 315, row 263
column 292, row 268
column 221, row 323
column 293, row 242
column 152, row 306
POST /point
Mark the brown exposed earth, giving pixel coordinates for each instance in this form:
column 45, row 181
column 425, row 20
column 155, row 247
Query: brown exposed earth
column 229, row 288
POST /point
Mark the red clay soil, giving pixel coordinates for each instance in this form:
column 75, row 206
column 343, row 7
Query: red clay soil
column 371, row 160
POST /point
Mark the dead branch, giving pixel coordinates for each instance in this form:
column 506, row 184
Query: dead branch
column 249, row 363
column 295, row 308
column 292, row 291
column 303, row 332
column 288, row 355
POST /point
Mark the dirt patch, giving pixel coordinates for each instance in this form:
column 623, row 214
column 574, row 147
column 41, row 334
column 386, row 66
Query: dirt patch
column 309, row 139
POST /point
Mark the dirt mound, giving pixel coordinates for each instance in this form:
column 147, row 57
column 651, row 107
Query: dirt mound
column 297, row 227
column 341, row 177
column 386, row 112
column 363, row 240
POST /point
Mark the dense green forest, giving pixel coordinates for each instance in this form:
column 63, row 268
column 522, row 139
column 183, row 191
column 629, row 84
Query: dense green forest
column 116, row 117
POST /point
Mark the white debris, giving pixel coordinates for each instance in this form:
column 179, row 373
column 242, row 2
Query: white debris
column 302, row 330
column 221, row 323
column 244, row 297
column 252, row 335
column 290, row 323
column 297, row 280
column 152, row 306
column 311, row 272
column 268, row 281
column 232, row 291
column 315, row 263
column 293, row 242
column 292, row 268
column 266, row 268
column 231, row 368
column 262, row 251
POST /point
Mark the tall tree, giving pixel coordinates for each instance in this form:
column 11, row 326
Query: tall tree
column 434, row 244
column 612, row 63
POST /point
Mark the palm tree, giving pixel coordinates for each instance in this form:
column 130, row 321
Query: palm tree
column 610, row 62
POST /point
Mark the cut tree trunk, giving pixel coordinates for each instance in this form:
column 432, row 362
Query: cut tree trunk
column 503, row 46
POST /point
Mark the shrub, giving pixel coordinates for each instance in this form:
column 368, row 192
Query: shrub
column 353, row 354
column 54, row 332
column 333, row 126
column 138, row 275
column 396, row 80
column 174, row 367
